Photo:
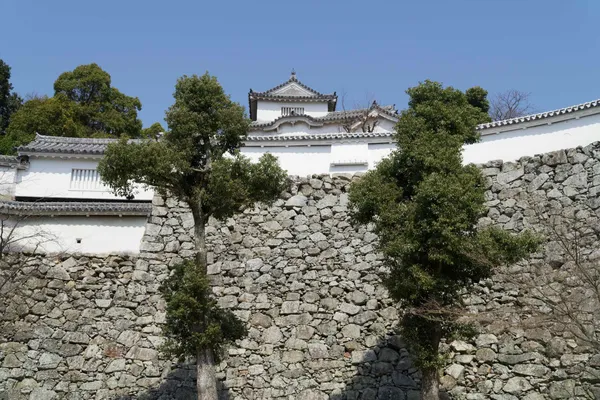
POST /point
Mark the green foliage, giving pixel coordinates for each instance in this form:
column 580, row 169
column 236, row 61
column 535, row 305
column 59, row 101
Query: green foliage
column 153, row 131
column 425, row 205
column 84, row 105
column 188, row 297
column 477, row 97
column 9, row 100
column 197, row 161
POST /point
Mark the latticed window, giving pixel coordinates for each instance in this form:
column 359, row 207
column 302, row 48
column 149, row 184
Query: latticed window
column 86, row 179
column 285, row 111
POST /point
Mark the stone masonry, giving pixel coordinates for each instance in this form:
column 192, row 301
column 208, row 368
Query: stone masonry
column 306, row 283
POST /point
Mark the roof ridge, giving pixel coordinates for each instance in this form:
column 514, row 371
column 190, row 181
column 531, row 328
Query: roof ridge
column 292, row 79
column 74, row 139
column 320, row 136
column 540, row 115
column 81, row 207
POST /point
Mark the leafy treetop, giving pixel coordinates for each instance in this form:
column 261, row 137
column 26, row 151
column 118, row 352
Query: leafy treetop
column 84, row 105
column 153, row 131
column 197, row 160
column 9, row 100
column 425, row 206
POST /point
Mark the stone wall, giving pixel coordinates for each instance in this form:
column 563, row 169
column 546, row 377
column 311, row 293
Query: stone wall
column 306, row 283
column 77, row 328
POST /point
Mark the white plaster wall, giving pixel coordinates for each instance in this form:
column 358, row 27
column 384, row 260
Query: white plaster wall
column 99, row 235
column 8, row 178
column 305, row 160
column 507, row 146
column 51, row 177
column 296, row 160
column 348, row 151
column 377, row 151
column 385, row 125
column 270, row 110
column 512, row 145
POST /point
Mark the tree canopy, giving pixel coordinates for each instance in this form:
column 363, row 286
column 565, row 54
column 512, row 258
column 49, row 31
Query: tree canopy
column 425, row 206
column 84, row 105
column 198, row 162
column 153, row 131
column 9, row 100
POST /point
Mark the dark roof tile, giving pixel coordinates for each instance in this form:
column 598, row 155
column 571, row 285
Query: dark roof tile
column 542, row 115
column 74, row 208
column 66, row 145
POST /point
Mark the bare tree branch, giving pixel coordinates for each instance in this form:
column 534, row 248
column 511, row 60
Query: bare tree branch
column 510, row 104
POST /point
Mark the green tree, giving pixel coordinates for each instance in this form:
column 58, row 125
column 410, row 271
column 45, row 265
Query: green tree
column 198, row 162
column 153, row 131
column 84, row 105
column 425, row 206
column 9, row 100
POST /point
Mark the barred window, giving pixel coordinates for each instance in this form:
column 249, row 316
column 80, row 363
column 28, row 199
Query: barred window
column 285, row 111
column 86, row 179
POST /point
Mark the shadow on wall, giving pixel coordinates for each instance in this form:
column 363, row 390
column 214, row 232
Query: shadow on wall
column 385, row 371
column 179, row 384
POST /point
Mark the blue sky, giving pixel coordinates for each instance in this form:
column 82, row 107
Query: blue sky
column 365, row 49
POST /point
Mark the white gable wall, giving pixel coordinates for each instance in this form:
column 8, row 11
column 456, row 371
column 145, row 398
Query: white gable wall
column 267, row 111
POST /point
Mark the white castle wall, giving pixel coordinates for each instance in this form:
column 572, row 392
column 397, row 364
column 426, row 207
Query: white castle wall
column 97, row 235
column 51, row 177
column 508, row 145
column 514, row 144
column 303, row 160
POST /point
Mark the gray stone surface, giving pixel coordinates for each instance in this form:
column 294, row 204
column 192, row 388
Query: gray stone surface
column 305, row 281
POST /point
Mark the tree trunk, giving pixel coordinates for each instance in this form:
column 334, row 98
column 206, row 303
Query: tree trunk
column 206, row 379
column 430, row 384
column 430, row 381
column 199, row 234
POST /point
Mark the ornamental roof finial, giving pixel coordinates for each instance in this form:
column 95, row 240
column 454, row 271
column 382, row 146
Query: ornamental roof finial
column 293, row 76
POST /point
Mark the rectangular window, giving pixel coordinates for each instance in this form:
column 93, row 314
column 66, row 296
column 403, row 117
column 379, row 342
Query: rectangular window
column 86, row 179
column 285, row 111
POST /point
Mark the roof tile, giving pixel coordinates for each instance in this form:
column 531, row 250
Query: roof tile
column 74, row 208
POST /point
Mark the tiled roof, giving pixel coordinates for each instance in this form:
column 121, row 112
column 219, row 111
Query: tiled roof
column 65, row 145
column 271, row 92
column 323, row 136
column 542, row 115
column 272, row 95
column 331, row 117
column 12, row 161
column 74, row 208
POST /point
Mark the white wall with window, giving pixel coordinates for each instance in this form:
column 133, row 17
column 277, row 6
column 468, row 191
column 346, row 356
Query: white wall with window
column 66, row 178
column 271, row 110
